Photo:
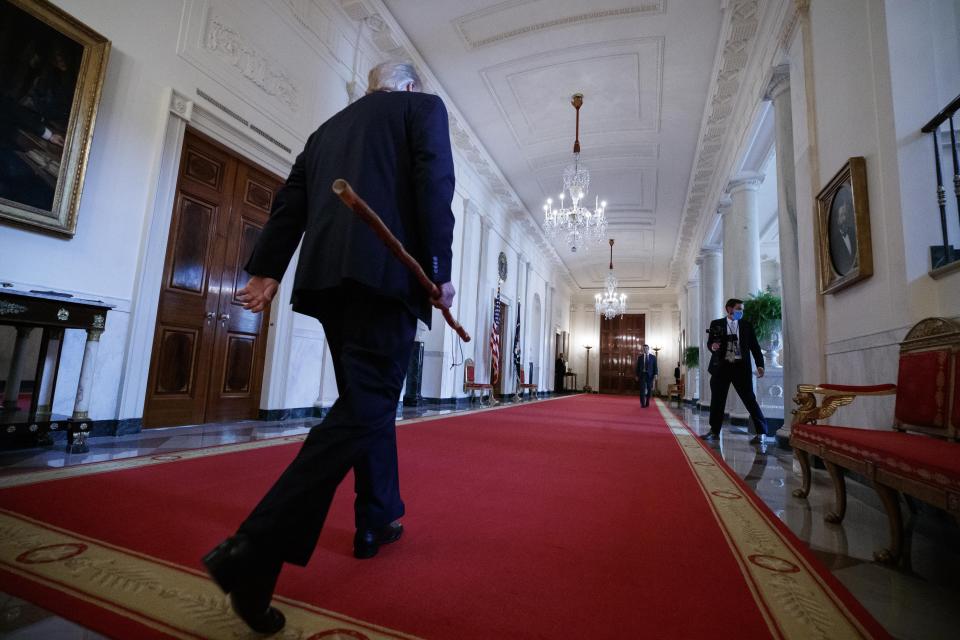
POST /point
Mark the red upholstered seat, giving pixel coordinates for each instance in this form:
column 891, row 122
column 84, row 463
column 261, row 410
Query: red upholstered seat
column 956, row 391
column 917, row 456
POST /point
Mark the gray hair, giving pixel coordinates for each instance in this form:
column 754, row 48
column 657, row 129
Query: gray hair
column 393, row 76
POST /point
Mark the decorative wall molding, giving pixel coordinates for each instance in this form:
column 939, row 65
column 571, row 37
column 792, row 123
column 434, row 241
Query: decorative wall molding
column 470, row 26
column 266, row 74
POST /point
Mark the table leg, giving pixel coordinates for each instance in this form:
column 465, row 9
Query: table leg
column 81, row 407
column 48, row 374
column 15, row 375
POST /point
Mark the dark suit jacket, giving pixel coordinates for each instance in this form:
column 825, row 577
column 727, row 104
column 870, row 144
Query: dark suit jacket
column 394, row 149
column 717, row 334
column 651, row 366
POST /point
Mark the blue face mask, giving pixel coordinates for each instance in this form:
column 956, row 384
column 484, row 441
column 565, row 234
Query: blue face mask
column 738, row 314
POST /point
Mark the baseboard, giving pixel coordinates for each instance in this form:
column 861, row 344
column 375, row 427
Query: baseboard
column 296, row 413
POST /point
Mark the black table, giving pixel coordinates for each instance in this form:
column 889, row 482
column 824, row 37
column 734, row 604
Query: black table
column 52, row 312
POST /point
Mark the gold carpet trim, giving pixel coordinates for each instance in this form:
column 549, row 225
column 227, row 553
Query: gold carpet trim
column 34, row 477
column 790, row 593
column 173, row 600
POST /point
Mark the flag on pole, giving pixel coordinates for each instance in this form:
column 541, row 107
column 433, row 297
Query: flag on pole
column 495, row 341
column 517, row 356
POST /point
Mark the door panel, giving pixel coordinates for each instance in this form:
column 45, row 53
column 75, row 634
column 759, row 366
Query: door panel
column 240, row 344
column 208, row 352
column 620, row 342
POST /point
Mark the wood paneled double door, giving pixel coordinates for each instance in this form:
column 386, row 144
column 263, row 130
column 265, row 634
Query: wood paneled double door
column 208, row 351
column 620, row 342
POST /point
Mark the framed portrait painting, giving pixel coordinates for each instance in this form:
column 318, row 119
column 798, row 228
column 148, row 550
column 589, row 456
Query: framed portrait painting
column 51, row 73
column 843, row 228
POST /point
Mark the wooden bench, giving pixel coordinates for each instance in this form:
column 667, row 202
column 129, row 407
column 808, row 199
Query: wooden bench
column 677, row 389
column 470, row 383
column 529, row 387
column 920, row 457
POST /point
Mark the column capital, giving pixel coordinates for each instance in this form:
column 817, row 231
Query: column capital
column 710, row 250
column 724, row 206
column 746, row 181
column 779, row 82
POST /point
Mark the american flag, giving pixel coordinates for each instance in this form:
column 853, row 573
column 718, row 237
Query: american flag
column 495, row 341
column 517, row 354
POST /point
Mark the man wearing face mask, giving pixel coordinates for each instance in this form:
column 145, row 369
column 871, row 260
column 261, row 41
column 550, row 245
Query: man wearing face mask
column 732, row 341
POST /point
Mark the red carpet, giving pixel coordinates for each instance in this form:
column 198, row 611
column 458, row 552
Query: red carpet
column 584, row 517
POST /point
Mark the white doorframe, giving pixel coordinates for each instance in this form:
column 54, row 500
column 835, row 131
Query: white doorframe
column 183, row 111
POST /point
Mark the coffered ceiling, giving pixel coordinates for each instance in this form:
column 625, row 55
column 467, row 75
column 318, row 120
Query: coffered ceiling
column 644, row 68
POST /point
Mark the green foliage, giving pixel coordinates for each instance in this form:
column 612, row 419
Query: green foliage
column 691, row 357
column 763, row 311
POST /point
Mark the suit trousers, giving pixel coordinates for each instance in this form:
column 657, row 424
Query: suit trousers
column 370, row 339
column 740, row 376
column 646, row 388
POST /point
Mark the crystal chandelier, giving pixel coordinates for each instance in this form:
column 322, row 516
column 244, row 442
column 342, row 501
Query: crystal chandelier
column 574, row 223
column 610, row 303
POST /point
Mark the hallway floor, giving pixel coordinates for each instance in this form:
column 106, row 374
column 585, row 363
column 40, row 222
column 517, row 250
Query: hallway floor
column 911, row 602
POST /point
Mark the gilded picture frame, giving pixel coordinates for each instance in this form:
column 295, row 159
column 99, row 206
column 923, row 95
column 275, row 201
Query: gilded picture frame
column 53, row 68
column 843, row 228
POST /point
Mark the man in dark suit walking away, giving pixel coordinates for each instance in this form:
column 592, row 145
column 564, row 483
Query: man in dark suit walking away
column 646, row 374
column 393, row 147
column 732, row 341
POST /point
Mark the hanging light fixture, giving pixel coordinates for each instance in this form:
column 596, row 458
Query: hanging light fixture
column 610, row 303
column 578, row 226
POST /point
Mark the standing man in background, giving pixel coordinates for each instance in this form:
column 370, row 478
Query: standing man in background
column 646, row 374
column 559, row 373
column 731, row 342
column 393, row 146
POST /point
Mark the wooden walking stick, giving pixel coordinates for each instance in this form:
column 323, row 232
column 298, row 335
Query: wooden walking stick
column 343, row 189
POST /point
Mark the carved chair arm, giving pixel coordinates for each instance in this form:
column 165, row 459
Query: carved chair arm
column 834, row 397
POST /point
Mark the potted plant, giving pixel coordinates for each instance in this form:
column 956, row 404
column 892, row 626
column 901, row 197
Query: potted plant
column 691, row 357
column 762, row 310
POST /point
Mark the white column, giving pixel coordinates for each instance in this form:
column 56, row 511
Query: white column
column 693, row 331
column 49, row 373
column 527, row 348
column 779, row 92
column 481, row 337
column 15, row 374
column 711, row 307
column 81, row 406
column 741, row 253
column 741, row 238
column 549, row 360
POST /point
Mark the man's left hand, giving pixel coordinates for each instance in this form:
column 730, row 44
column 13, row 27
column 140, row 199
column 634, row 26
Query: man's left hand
column 759, row 372
column 447, row 292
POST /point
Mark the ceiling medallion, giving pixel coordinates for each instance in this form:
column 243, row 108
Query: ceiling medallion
column 578, row 226
column 610, row 303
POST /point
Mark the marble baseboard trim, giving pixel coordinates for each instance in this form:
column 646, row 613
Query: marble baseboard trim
column 272, row 415
column 22, row 438
column 742, row 422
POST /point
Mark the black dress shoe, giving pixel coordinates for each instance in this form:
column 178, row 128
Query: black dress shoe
column 710, row 436
column 366, row 542
column 249, row 578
